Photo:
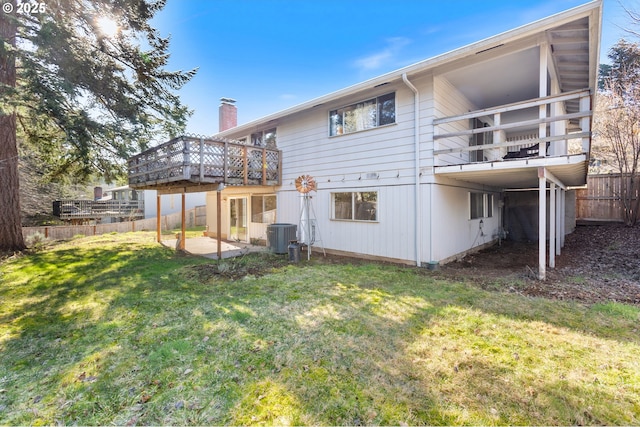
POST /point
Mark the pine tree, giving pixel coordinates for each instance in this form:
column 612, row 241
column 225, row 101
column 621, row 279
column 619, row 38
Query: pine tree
column 82, row 99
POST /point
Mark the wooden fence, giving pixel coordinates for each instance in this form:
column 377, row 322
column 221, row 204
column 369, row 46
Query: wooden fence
column 600, row 201
column 194, row 217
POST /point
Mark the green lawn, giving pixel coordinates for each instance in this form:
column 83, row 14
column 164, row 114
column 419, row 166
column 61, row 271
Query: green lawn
column 116, row 329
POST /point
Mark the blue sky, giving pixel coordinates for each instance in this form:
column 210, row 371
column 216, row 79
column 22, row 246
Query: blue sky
column 273, row 54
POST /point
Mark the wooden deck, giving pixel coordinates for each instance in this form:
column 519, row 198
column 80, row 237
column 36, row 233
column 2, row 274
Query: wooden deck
column 189, row 161
column 83, row 209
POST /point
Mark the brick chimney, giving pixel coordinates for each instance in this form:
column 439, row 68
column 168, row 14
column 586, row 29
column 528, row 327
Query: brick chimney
column 228, row 114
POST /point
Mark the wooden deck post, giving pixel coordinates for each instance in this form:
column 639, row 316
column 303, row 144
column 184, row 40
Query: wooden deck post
column 225, row 160
column 264, row 166
column 184, row 224
column 201, row 162
column 245, row 166
column 158, row 219
column 219, row 222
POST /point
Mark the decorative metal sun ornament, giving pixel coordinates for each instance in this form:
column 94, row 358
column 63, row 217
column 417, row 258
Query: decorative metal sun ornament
column 305, row 184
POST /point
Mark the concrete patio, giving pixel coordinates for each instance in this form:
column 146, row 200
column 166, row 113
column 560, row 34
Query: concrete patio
column 208, row 247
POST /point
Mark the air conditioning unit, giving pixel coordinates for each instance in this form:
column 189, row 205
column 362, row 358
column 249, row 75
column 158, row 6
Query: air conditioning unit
column 279, row 235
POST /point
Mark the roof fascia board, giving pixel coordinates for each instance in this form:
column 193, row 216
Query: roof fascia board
column 589, row 9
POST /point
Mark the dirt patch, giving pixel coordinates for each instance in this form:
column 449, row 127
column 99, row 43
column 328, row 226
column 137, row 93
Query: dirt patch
column 598, row 263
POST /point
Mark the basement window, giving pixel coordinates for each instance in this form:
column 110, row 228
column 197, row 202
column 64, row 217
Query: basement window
column 363, row 115
column 263, row 209
column 480, row 205
column 355, row 206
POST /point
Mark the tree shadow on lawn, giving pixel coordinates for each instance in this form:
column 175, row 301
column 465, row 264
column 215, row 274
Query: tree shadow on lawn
column 59, row 324
column 342, row 345
column 349, row 361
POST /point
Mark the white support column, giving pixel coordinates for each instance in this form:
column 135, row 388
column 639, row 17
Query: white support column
column 543, row 91
column 497, row 134
column 542, row 224
column 585, row 122
column 563, row 211
column 559, row 221
column 552, row 225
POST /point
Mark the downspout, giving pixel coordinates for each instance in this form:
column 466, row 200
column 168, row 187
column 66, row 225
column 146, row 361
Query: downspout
column 416, row 143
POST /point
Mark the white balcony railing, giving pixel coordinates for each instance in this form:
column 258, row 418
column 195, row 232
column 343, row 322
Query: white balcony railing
column 516, row 131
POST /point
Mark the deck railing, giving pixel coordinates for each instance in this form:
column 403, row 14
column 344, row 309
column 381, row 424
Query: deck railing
column 187, row 160
column 68, row 209
column 456, row 142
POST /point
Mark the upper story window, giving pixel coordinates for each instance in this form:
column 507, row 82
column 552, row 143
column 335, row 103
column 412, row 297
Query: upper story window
column 363, row 115
column 265, row 138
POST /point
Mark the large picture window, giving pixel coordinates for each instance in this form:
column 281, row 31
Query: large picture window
column 355, row 206
column 263, row 209
column 363, row 115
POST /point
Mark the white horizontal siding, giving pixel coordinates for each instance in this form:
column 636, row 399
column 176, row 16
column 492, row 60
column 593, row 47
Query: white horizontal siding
column 386, row 151
column 382, row 160
column 453, row 232
column 450, row 102
column 391, row 236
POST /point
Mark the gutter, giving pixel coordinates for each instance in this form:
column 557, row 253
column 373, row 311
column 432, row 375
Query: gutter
column 416, row 144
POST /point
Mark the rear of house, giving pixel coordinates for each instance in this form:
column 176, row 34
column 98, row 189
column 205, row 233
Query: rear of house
column 431, row 161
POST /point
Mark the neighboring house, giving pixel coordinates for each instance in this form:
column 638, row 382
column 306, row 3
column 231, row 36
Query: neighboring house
column 122, row 204
column 112, row 205
column 420, row 165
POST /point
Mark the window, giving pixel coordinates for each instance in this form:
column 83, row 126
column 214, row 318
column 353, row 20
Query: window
column 363, row 115
column 480, row 205
column 265, row 138
column 489, row 205
column 355, row 206
column 263, row 209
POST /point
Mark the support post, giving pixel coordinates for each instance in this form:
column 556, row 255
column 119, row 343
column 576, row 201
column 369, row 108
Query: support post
column 183, row 243
column 585, row 122
column 559, row 220
column 245, row 166
column 158, row 219
column 264, row 166
column 552, row 225
column 201, row 160
column 543, row 86
column 542, row 224
column 219, row 222
column 563, row 200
